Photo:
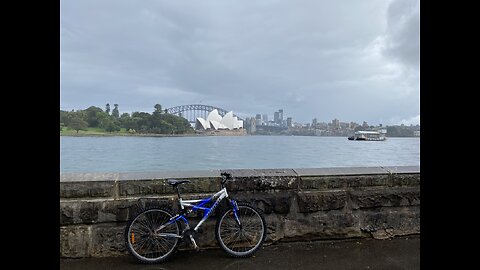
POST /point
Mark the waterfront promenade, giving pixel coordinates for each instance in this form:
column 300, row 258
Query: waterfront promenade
column 367, row 253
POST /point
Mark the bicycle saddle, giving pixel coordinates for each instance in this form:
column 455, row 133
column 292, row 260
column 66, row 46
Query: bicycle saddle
column 175, row 183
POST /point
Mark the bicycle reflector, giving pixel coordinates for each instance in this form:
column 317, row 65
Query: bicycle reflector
column 132, row 237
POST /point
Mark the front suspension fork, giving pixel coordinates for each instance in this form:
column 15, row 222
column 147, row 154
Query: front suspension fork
column 234, row 205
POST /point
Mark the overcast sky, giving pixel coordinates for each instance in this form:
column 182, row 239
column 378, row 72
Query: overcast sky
column 351, row 60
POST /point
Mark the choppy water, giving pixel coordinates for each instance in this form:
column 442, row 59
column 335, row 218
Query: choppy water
column 148, row 154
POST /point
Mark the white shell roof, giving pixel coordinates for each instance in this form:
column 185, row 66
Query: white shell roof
column 215, row 121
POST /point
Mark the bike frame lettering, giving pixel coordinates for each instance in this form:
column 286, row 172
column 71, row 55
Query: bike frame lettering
column 196, row 205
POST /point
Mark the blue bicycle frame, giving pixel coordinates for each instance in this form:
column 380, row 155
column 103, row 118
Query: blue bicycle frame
column 195, row 205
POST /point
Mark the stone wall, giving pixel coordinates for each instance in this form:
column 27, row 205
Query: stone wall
column 299, row 204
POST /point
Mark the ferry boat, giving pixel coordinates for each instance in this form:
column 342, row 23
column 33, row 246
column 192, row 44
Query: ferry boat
column 367, row 136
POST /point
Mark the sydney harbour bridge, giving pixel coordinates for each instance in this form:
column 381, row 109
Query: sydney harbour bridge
column 191, row 112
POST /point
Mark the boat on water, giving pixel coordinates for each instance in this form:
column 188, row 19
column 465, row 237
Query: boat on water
column 367, row 136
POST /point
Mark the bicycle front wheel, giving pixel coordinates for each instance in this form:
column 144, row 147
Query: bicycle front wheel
column 151, row 237
column 241, row 240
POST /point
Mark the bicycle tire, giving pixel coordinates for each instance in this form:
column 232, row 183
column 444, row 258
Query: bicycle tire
column 141, row 241
column 234, row 239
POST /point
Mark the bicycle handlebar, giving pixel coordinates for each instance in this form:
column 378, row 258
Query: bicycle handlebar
column 225, row 177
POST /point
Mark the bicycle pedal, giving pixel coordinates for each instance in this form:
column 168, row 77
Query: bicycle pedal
column 192, row 241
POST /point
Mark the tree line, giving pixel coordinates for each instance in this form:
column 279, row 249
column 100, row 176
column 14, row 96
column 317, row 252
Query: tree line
column 393, row 131
column 158, row 122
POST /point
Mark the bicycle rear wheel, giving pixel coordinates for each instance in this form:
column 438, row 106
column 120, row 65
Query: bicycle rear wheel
column 241, row 240
column 151, row 236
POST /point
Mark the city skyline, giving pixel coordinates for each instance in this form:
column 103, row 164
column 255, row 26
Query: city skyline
column 322, row 59
column 263, row 118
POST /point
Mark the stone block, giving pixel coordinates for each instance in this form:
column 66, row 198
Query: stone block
column 262, row 179
column 115, row 210
column 367, row 181
column 155, row 187
column 75, row 241
column 339, row 171
column 169, row 175
column 275, row 228
column 322, row 225
column 79, row 212
column 88, row 211
column 321, row 200
column 404, row 180
column 389, row 222
column 89, row 177
column 108, row 240
column 358, row 181
column 402, row 169
column 385, row 197
column 89, row 189
column 67, row 213
column 278, row 202
column 322, row 182
column 143, row 187
column 83, row 211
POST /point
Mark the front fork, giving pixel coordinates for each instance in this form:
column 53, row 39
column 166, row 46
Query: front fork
column 234, row 205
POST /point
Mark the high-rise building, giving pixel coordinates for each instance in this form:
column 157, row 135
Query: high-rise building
column 265, row 118
column 258, row 116
column 276, row 117
column 250, row 125
column 314, row 122
column 280, row 114
column 289, row 122
column 336, row 123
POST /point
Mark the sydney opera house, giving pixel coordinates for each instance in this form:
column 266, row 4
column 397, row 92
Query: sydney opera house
column 217, row 122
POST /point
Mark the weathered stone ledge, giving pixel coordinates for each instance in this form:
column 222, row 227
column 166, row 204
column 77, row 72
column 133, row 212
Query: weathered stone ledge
column 299, row 204
column 117, row 185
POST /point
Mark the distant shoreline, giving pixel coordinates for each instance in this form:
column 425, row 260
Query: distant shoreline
column 194, row 135
column 135, row 135
column 101, row 134
column 128, row 135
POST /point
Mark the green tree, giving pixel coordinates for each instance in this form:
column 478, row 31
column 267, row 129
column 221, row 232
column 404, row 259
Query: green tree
column 399, row 131
column 115, row 112
column 103, row 119
column 111, row 127
column 77, row 124
column 125, row 117
column 91, row 113
column 158, row 109
column 125, row 121
column 107, row 108
column 142, row 121
column 158, row 122
column 64, row 117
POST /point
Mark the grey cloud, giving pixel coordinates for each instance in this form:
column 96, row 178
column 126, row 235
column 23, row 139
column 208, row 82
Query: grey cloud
column 403, row 31
column 251, row 57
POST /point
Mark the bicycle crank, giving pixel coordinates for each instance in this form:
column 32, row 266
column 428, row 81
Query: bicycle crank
column 188, row 234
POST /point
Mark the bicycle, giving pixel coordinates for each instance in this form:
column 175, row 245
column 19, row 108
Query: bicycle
column 152, row 236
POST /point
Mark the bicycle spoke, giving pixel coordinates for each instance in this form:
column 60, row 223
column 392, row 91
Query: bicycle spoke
column 144, row 243
column 241, row 240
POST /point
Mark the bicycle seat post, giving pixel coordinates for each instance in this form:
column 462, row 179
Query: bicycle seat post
column 178, row 192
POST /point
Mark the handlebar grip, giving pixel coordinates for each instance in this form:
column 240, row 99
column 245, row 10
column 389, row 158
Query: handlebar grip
column 227, row 175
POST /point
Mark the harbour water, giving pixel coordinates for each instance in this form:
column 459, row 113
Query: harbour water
column 150, row 154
